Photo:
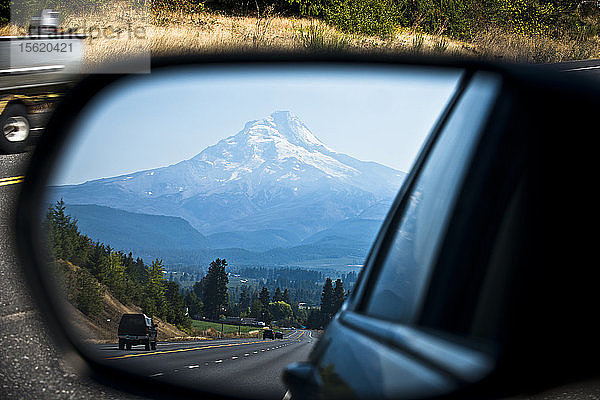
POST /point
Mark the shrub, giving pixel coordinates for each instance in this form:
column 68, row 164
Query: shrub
column 87, row 292
column 457, row 18
column 369, row 17
column 316, row 37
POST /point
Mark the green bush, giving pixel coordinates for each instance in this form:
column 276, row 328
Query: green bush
column 457, row 18
column 368, row 17
column 460, row 19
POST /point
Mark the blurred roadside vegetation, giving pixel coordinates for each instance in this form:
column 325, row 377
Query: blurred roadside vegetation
column 515, row 30
column 458, row 19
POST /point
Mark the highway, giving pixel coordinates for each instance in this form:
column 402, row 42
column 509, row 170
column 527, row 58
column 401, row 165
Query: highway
column 246, row 367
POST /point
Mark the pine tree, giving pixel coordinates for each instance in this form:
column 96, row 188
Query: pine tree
column 245, row 300
column 286, row 296
column 327, row 301
column 63, row 234
column 264, row 299
column 176, row 306
column 338, row 295
column 154, row 302
column 214, row 289
column 256, row 309
column 277, row 296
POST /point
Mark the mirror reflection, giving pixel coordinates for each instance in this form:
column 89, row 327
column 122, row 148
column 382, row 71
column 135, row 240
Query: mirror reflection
column 206, row 223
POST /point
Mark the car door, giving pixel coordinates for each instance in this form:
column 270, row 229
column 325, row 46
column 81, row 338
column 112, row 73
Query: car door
column 407, row 331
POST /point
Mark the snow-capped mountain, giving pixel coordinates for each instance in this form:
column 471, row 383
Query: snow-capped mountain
column 272, row 176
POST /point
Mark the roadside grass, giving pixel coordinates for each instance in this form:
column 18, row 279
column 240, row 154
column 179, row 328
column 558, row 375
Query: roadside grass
column 498, row 45
column 197, row 31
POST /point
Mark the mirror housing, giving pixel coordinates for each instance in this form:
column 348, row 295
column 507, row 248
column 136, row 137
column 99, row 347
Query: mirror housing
column 302, row 378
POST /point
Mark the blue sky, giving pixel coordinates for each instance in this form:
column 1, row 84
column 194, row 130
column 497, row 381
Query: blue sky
column 373, row 114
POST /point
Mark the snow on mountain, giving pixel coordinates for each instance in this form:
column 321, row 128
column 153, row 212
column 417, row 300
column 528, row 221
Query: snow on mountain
column 273, row 174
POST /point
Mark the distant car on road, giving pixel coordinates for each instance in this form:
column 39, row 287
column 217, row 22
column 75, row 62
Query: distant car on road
column 46, row 24
column 136, row 329
column 278, row 335
column 268, row 333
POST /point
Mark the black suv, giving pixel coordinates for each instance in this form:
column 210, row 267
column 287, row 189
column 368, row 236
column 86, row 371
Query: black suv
column 137, row 329
column 268, row 333
column 278, row 335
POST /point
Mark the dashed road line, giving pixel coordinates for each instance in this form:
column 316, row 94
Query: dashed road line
column 17, row 316
column 180, row 350
column 581, row 68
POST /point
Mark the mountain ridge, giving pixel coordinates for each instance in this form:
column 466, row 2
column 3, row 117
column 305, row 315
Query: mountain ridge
column 274, row 175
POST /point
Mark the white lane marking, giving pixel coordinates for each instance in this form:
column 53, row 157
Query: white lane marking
column 32, row 69
column 157, row 374
column 581, row 68
column 287, row 396
column 36, row 85
column 193, row 366
column 219, row 361
column 234, row 357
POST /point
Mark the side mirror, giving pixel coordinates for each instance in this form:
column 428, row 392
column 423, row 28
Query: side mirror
column 203, row 171
column 206, row 169
column 301, row 380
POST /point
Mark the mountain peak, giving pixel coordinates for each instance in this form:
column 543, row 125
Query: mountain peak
column 284, row 125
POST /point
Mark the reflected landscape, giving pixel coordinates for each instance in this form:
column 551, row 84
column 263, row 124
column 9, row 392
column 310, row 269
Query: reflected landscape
column 206, row 225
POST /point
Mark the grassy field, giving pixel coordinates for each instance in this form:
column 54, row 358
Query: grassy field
column 168, row 32
column 212, row 329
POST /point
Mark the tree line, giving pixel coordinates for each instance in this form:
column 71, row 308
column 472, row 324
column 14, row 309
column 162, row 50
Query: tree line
column 97, row 266
column 460, row 19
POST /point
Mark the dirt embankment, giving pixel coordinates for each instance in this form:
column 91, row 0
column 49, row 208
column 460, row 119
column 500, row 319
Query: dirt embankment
column 103, row 327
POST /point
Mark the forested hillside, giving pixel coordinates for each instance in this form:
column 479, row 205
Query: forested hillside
column 92, row 273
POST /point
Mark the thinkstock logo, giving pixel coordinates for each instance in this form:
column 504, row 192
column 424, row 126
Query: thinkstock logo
column 80, row 35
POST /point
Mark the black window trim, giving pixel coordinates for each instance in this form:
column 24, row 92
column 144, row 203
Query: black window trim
column 386, row 234
column 397, row 334
column 410, row 341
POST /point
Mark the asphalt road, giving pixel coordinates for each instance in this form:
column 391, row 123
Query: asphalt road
column 31, row 365
column 243, row 367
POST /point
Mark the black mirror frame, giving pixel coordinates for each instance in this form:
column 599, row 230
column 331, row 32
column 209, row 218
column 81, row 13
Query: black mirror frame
column 28, row 236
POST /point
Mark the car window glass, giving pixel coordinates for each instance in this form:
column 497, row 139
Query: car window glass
column 407, row 265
